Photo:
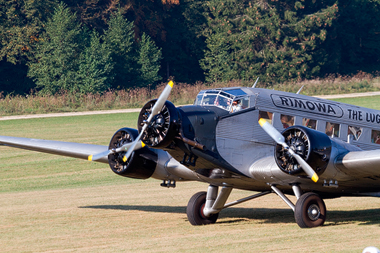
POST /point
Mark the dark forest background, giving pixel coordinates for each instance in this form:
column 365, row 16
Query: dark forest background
column 91, row 46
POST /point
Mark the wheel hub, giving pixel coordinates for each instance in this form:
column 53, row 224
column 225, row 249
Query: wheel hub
column 313, row 212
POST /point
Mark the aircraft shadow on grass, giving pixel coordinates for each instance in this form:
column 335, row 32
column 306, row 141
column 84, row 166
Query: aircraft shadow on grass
column 266, row 215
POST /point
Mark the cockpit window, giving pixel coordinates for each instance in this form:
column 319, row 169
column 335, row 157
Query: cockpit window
column 198, row 100
column 230, row 100
column 236, row 92
column 209, row 99
column 223, row 102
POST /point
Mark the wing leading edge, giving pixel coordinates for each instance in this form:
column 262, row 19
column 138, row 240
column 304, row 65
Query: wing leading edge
column 71, row 149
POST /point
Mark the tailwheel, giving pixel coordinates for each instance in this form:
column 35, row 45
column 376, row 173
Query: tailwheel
column 195, row 208
column 310, row 211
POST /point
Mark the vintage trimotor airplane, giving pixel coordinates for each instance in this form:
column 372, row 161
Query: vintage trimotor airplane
column 230, row 138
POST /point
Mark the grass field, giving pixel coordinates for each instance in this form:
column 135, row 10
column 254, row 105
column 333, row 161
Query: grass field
column 57, row 204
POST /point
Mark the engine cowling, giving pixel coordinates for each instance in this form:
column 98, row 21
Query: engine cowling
column 313, row 146
column 163, row 127
column 142, row 162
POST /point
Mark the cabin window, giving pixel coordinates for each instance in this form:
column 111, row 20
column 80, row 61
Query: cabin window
column 332, row 129
column 266, row 115
column 310, row 123
column 287, row 120
column 375, row 136
column 355, row 132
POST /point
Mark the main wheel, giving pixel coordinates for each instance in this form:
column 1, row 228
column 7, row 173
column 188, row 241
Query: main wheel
column 310, row 211
column 195, row 208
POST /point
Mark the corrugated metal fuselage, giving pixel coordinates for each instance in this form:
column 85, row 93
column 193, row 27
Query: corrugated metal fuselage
column 239, row 153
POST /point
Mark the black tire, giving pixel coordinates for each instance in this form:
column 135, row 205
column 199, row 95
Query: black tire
column 310, row 211
column 194, row 210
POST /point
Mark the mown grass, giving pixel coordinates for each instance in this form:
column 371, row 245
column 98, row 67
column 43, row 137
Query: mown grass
column 23, row 170
column 369, row 101
column 182, row 93
column 55, row 204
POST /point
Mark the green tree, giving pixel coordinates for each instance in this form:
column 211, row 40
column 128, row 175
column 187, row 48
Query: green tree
column 58, row 52
column 149, row 56
column 95, row 66
column 119, row 37
column 21, row 24
column 354, row 43
column 182, row 44
column 273, row 40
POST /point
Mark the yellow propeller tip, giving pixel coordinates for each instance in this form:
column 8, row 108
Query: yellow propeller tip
column 262, row 121
column 171, row 84
column 90, row 157
column 315, row 178
column 143, row 144
column 124, row 158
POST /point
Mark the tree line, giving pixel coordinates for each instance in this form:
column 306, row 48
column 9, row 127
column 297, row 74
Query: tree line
column 89, row 46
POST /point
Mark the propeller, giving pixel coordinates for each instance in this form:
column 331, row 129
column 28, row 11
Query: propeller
column 280, row 139
column 137, row 143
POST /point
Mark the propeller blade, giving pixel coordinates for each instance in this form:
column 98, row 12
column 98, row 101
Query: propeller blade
column 155, row 110
column 276, row 135
column 161, row 101
column 280, row 139
column 98, row 156
column 305, row 166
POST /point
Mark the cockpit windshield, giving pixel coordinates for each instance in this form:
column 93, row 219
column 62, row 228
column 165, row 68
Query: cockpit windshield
column 231, row 100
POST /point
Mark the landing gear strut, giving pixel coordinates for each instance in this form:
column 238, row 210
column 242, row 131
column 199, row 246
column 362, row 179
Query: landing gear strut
column 309, row 210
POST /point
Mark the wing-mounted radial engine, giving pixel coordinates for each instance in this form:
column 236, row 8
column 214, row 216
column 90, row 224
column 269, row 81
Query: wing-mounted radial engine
column 163, row 127
column 127, row 153
column 312, row 146
column 141, row 164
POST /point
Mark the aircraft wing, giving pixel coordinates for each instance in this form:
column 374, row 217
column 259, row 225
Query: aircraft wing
column 71, row 149
column 360, row 163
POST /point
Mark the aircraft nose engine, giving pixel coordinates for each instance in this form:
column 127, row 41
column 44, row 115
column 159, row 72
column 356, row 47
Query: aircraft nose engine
column 141, row 163
column 162, row 128
column 313, row 146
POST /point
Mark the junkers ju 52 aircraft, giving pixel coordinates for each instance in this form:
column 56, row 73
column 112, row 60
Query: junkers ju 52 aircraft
column 245, row 138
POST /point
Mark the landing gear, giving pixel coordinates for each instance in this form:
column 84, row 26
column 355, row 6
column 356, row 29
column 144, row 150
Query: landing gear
column 310, row 211
column 195, row 209
column 203, row 208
